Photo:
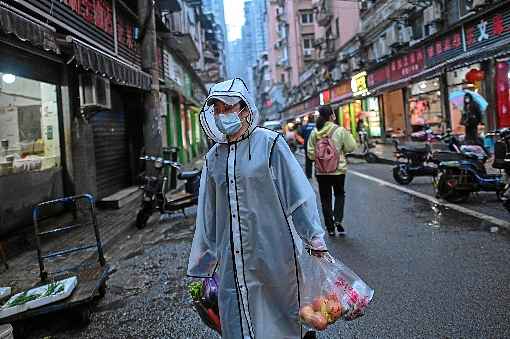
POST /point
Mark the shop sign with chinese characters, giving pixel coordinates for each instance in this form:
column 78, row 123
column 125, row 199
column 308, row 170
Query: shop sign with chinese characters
column 359, row 84
column 488, row 31
column 402, row 67
column 444, row 48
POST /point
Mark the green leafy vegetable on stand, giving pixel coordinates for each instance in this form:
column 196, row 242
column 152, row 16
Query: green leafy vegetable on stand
column 196, row 290
column 53, row 288
column 23, row 299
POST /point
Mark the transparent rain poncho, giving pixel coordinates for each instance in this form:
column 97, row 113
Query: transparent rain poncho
column 256, row 212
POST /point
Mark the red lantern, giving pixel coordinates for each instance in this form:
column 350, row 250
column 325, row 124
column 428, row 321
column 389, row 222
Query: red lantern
column 475, row 75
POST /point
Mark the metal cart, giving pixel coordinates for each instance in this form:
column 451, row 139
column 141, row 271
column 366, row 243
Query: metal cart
column 91, row 276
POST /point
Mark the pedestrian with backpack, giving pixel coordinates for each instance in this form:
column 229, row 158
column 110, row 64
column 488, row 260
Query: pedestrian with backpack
column 327, row 146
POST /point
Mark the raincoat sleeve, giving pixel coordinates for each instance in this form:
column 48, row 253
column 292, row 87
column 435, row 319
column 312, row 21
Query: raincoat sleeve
column 203, row 259
column 347, row 141
column 296, row 195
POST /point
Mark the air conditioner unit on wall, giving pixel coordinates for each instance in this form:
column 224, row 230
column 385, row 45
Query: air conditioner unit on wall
column 94, row 91
column 406, row 34
column 393, row 35
column 344, row 68
column 478, row 3
column 432, row 13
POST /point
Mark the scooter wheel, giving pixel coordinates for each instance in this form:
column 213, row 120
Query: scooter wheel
column 506, row 204
column 504, row 194
column 401, row 176
column 371, row 158
column 444, row 191
column 141, row 218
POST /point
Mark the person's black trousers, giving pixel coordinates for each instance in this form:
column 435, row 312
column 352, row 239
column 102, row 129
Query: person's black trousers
column 308, row 167
column 326, row 184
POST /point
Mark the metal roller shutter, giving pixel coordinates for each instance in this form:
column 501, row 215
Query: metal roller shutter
column 111, row 149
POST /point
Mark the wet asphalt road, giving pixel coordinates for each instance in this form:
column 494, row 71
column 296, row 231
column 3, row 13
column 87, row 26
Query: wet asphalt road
column 436, row 274
column 483, row 202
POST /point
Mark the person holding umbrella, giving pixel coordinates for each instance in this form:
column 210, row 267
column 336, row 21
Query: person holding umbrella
column 471, row 118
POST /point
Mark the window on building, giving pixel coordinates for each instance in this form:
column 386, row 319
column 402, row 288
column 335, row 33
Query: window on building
column 417, row 27
column 282, row 76
column 307, row 18
column 308, row 45
column 29, row 129
column 308, row 41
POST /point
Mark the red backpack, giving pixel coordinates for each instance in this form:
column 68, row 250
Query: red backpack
column 326, row 154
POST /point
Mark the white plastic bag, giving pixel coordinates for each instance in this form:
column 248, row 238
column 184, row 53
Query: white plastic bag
column 330, row 291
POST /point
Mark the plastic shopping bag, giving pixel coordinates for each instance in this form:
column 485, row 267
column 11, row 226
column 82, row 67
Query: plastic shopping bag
column 330, row 291
column 205, row 301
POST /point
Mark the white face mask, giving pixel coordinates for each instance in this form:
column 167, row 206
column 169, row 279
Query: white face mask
column 228, row 123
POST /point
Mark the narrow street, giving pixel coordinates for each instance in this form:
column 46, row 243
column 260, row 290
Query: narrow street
column 436, row 274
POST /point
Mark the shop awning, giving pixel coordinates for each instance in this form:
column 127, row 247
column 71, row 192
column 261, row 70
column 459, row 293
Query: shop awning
column 27, row 30
column 496, row 50
column 115, row 69
column 426, row 74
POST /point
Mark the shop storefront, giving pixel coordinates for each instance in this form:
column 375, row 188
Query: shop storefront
column 31, row 118
column 460, row 80
column 394, row 113
column 503, row 93
column 425, row 106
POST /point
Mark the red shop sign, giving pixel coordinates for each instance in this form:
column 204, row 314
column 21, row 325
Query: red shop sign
column 407, row 65
column 379, row 77
column 326, row 96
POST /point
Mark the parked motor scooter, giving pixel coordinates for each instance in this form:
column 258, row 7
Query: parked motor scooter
column 369, row 156
column 457, row 179
column 502, row 161
column 425, row 135
column 155, row 195
column 418, row 160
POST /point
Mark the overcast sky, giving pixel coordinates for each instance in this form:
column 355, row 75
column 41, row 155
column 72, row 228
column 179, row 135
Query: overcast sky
column 234, row 17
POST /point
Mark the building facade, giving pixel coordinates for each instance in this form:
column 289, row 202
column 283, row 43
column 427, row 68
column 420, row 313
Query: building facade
column 74, row 86
column 308, row 34
column 398, row 74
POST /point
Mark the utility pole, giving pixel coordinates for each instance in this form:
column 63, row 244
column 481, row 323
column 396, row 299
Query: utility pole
column 152, row 124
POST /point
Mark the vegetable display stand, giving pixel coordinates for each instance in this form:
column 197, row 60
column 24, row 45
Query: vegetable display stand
column 89, row 277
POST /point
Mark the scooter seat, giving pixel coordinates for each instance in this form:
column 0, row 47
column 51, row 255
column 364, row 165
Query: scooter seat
column 414, row 148
column 189, row 174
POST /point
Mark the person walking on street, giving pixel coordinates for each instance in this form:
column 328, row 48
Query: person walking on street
column 256, row 211
column 327, row 146
column 305, row 132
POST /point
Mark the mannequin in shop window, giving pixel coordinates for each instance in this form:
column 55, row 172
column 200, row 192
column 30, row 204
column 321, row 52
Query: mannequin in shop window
column 471, row 118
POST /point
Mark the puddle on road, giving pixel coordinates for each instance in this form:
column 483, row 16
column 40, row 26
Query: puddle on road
column 441, row 218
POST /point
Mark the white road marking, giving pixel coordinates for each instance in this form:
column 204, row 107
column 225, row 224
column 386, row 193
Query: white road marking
column 493, row 220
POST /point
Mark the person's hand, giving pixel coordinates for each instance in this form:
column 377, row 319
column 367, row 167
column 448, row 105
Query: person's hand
column 319, row 254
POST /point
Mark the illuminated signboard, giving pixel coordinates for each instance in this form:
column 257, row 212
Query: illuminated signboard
column 359, row 84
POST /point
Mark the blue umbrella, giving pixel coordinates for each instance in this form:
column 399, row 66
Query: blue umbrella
column 458, row 98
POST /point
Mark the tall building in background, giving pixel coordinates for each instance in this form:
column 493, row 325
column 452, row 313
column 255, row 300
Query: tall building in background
column 304, row 36
column 216, row 8
column 235, row 56
column 254, row 39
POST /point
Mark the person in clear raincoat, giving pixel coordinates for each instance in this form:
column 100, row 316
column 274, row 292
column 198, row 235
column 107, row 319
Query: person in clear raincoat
column 256, row 212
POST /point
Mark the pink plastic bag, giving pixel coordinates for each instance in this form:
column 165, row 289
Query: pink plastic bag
column 330, row 291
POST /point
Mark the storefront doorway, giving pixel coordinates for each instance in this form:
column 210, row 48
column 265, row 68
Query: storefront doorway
column 457, row 82
column 394, row 113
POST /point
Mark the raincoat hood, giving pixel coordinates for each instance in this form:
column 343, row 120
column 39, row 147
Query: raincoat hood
column 235, row 88
column 325, row 130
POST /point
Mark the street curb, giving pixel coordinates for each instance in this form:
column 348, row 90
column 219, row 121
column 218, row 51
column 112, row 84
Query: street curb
column 493, row 220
